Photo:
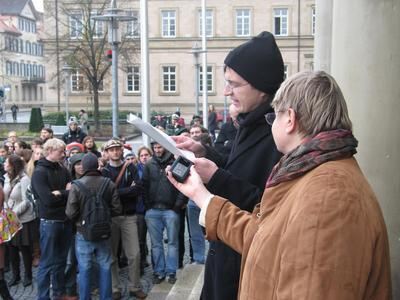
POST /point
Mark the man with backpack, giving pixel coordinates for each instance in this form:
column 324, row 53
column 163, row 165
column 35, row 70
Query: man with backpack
column 124, row 226
column 92, row 201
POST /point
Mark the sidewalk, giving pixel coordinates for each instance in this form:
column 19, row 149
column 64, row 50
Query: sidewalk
column 19, row 292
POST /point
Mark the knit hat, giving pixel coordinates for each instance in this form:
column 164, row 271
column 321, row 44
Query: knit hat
column 75, row 146
column 175, row 117
column 75, row 159
column 90, row 162
column 112, row 143
column 259, row 62
column 72, row 120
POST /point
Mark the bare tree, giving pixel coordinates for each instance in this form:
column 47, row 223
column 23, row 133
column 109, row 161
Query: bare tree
column 83, row 43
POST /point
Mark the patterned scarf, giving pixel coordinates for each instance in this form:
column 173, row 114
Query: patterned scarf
column 324, row 147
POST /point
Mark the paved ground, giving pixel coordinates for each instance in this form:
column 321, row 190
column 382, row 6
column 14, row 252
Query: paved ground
column 30, row 293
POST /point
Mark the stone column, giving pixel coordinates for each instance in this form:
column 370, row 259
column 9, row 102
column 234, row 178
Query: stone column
column 323, row 35
column 365, row 60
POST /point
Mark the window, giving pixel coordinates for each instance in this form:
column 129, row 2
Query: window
column 210, row 86
column 169, row 79
column 209, row 23
column 76, row 81
column 75, row 26
column 168, row 23
column 242, row 22
column 15, row 69
column 133, row 27
column 41, row 71
column 28, row 47
column 313, row 20
column 281, row 21
column 96, row 26
column 22, row 69
column 8, row 68
column 133, row 79
column 21, row 46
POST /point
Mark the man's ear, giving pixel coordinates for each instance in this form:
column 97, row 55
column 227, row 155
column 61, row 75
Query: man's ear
column 291, row 121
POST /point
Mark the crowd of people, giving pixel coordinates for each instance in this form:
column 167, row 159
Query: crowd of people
column 278, row 193
column 140, row 199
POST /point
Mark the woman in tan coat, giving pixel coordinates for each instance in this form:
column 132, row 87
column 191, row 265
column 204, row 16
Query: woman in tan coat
column 318, row 232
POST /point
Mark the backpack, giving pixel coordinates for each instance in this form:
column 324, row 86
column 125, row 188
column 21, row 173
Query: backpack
column 30, row 195
column 95, row 212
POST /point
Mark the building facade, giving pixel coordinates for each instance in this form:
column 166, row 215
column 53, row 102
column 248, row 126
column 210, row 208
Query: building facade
column 22, row 67
column 174, row 32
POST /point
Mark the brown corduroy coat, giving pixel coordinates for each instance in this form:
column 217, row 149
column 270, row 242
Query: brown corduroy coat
column 320, row 236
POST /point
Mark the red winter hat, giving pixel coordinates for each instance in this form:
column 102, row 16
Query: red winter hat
column 74, row 146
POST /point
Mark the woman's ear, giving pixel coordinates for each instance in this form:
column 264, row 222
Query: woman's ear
column 291, row 121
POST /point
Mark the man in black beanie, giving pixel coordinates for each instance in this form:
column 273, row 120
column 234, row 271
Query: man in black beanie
column 253, row 73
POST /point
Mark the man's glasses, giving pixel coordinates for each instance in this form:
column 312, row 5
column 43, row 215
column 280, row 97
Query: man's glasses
column 230, row 85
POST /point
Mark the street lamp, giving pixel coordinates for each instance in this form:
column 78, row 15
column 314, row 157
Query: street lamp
column 67, row 71
column 196, row 50
column 113, row 16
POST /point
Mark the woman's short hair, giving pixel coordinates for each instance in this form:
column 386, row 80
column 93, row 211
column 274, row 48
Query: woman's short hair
column 317, row 101
column 52, row 144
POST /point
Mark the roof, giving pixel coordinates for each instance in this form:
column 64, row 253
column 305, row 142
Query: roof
column 7, row 26
column 15, row 7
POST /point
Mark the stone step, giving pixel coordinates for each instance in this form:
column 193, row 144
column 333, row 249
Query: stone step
column 188, row 285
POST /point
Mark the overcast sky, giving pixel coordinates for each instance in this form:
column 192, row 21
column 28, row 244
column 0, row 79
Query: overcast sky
column 38, row 4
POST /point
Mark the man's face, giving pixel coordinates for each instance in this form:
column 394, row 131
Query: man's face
column 195, row 131
column 158, row 150
column 115, row 153
column 73, row 126
column 144, row 156
column 78, row 168
column 3, row 152
column 243, row 96
column 44, row 135
column 56, row 155
column 12, row 137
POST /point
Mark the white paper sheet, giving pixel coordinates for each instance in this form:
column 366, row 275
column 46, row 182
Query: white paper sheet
column 160, row 137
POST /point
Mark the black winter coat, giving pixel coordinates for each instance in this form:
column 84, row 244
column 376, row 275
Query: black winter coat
column 159, row 192
column 74, row 136
column 241, row 180
column 47, row 177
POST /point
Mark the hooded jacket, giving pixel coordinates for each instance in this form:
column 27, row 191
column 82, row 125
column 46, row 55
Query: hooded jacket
column 159, row 192
column 47, row 177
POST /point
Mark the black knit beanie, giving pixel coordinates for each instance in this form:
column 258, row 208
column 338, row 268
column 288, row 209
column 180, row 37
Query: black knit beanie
column 89, row 162
column 259, row 62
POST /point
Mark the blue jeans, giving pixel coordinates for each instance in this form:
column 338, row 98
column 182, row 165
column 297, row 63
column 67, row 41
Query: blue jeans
column 157, row 220
column 88, row 254
column 196, row 233
column 55, row 239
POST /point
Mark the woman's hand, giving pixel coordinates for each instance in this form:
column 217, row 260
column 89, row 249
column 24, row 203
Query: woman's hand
column 192, row 188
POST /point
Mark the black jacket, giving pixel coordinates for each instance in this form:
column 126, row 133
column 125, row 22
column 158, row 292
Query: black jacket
column 129, row 188
column 159, row 192
column 76, row 199
column 226, row 138
column 47, row 177
column 74, row 136
column 241, row 180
